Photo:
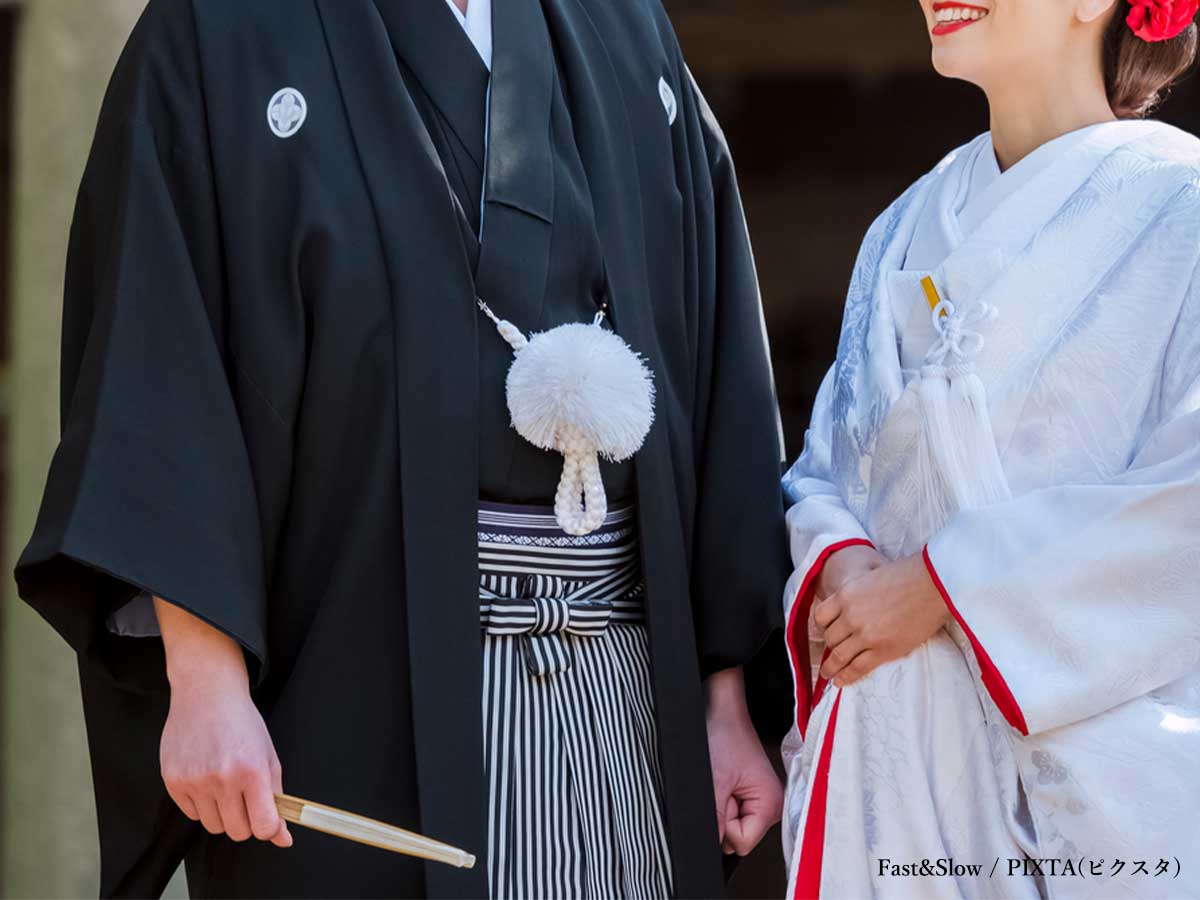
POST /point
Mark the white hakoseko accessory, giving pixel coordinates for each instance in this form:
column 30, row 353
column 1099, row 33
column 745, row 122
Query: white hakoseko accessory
column 582, row 391
column 957, row 458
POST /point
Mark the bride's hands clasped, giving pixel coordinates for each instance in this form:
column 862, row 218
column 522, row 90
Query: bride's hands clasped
column 873, row 611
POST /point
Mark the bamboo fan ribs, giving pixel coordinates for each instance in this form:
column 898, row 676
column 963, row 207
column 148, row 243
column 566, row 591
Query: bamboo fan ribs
column 357, row 828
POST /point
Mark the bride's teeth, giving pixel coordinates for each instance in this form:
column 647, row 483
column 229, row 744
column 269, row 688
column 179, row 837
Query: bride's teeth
column 959, row 14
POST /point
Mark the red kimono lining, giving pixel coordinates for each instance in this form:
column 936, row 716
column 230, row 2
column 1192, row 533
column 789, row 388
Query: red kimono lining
column 996, row 686
column 798, row 622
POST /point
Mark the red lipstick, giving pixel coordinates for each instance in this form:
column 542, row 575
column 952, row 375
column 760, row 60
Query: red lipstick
column 944, row 28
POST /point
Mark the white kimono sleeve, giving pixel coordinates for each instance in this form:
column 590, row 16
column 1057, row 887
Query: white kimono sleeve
column 819, row 524
column 1078, row 598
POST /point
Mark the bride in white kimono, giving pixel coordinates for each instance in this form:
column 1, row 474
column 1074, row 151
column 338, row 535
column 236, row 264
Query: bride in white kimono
column 996, row 519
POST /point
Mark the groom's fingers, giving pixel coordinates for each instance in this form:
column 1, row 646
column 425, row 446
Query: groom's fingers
column 730, row 820
column 744, row 833
column 734, row 839
column 719, row 804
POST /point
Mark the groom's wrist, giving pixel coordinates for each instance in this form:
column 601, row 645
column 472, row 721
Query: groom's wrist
column 725, row 695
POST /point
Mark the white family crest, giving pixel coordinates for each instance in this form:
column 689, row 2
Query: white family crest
column 286, row 112
column 668, row 100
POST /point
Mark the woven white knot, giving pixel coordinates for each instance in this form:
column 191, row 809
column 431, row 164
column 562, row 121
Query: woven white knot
column 957, row 345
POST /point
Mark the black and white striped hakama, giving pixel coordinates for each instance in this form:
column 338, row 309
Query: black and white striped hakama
column 568, row 714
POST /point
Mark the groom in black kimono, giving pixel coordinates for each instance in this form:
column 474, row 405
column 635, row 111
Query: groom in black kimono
column 281, row 409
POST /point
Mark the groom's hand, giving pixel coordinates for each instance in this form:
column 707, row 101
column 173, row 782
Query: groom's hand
column 749, row 796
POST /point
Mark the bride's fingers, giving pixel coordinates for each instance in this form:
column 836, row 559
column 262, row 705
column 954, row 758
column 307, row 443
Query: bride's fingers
column 862, row 666
column 841, row 657
column 825, row 612
column 837, row 632
column 815, row 631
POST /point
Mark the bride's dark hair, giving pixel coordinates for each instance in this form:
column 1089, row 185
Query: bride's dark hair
column 1138, row 74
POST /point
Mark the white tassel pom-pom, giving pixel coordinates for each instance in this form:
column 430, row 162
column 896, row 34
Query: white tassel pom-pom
column 582, row 391
column 585, row 377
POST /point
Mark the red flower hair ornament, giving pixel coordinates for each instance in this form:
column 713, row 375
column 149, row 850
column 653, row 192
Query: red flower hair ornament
column 1161, row 20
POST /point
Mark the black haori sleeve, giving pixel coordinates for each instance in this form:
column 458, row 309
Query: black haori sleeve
column 150, row 487
column 740, row 560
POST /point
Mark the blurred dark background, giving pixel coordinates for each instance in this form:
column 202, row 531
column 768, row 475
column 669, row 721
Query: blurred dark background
column 830, row 106
column 832, row 109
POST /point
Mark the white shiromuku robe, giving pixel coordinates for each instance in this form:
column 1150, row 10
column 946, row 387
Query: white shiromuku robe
column 1058, row 716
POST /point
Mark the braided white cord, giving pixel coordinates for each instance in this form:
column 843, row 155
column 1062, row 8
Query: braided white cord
column 511, row 334
column 580, row 504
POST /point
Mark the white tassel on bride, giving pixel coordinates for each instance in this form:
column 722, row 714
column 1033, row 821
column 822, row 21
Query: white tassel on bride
column 582, row 391
column 958, row 462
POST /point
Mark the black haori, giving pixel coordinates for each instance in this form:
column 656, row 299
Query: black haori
column 570, row 739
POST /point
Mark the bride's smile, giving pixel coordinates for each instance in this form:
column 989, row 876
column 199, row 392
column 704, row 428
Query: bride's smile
column 952, row 17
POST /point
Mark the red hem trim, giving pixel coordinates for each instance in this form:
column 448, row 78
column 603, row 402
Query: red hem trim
column 1001, row 695
column 822, row 683
column 798, row 645
column 812, row 848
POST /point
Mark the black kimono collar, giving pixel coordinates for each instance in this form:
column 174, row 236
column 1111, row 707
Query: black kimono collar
column 427, row 38
column 514, row 255
column 520, row 165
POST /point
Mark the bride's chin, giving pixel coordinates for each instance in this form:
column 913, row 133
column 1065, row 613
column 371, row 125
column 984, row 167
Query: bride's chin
column 951, row 65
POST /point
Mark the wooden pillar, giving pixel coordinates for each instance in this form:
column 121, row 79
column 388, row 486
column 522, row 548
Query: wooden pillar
column 65, row 52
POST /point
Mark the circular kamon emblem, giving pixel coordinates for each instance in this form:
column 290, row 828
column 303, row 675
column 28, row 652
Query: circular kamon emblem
column 286, row 112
